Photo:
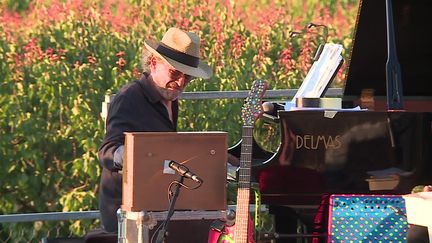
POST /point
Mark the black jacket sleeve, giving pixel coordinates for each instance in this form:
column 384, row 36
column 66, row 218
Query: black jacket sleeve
column 120, row 119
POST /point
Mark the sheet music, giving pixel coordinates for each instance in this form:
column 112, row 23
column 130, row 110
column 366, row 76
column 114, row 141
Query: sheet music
column 320, row 74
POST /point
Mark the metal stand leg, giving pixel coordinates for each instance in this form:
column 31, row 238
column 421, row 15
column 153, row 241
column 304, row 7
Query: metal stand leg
column 162, row 232
column 121, row 236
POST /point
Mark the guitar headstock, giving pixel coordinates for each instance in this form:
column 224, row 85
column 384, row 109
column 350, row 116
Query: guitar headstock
column 252, row 108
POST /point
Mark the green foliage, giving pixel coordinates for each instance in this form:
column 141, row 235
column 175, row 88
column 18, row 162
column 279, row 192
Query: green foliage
column 16, row 5
column 59, row 58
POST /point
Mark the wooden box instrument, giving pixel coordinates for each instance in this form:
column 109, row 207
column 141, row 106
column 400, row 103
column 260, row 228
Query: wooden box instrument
column 146, row 175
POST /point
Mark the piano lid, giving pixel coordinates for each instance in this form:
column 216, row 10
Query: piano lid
column 413, row 28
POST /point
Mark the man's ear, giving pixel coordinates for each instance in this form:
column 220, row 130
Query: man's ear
column 152, row 62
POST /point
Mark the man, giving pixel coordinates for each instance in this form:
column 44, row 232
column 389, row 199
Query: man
column 147, row 105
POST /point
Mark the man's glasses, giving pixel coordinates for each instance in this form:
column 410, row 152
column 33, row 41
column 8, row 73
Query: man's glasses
column 175, row 74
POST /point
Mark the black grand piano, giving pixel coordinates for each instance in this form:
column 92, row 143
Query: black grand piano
column 324, row 152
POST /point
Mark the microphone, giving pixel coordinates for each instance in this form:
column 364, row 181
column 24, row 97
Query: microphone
column 270, row 110
column 268, row 107
column 324, row 36
column 184, row 171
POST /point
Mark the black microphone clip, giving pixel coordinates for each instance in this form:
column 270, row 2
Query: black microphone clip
column 270, row 110
column 184, row 171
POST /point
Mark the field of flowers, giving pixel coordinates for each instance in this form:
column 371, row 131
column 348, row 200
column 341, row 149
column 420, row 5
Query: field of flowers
column 59, row 58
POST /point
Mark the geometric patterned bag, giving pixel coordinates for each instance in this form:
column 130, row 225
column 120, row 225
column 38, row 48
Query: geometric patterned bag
column 367, row 218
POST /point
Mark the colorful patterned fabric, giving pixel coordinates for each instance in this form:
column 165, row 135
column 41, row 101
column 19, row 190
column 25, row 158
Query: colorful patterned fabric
column 367, row 218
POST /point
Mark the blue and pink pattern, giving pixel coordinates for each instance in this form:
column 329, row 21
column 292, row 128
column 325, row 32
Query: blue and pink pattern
column 367, row 218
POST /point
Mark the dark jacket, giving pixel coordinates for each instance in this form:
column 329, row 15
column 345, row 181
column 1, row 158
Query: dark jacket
column 136, row 107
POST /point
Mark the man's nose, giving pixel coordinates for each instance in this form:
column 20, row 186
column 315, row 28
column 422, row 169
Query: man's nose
column 181, row 81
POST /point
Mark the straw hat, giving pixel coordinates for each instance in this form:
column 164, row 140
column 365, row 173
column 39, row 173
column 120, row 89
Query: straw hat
column 181, row 49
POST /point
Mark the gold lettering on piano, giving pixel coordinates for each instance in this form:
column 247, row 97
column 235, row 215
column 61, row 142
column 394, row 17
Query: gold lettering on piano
column 315, row 142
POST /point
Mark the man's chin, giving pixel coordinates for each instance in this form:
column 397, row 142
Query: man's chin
column 169, row 94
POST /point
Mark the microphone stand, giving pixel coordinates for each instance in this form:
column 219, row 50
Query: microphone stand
column 163, row 231
column 305, row 31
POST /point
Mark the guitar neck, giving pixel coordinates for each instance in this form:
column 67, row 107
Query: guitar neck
column 246, row 158
column 243, row 191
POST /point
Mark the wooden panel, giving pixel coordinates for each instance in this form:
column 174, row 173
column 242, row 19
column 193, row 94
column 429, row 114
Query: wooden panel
column 145, row 185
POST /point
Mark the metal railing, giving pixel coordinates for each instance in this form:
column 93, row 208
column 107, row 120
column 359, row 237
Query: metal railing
column 60, row 216
column 243, row 94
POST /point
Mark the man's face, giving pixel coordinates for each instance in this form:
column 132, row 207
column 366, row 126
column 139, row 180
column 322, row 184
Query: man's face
column 170, row 82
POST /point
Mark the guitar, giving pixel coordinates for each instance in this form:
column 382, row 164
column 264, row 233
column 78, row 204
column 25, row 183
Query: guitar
column 242, row 230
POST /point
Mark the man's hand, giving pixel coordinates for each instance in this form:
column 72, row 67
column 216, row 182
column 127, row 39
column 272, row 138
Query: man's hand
column 427, row 188
column 118, row 157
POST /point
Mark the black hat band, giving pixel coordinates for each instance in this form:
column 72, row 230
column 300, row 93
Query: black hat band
column 178, row 56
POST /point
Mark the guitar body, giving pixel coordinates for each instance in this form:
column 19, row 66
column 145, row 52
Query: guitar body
column 227, row 234
column 242, row 230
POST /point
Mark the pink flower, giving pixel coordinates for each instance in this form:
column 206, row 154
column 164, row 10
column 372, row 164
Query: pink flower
column 136, row 73
column 285, row 59
column 121, row 63
column 120, row 54
column 92, row 60
column 236, row 44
